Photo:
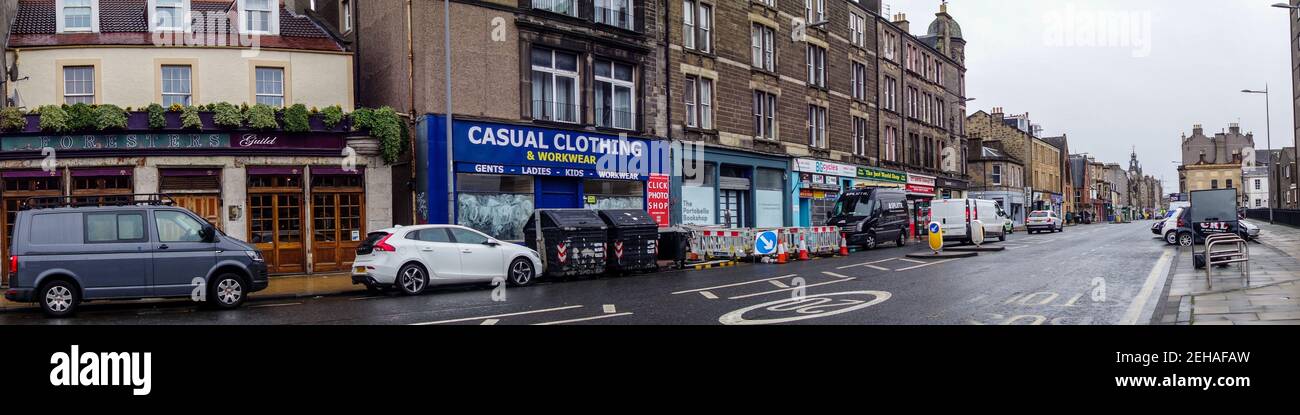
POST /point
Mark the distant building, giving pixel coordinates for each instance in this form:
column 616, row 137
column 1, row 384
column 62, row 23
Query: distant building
column 1216, row 162
column 997, row 176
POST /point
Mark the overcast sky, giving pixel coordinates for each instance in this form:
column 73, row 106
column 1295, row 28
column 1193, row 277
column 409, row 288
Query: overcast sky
column 1157, row 68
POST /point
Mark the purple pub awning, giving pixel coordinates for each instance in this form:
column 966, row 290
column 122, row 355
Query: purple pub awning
column 190, row 172
column 271, row 170
column 103, row 171
column 15, row 174
column 336, row 171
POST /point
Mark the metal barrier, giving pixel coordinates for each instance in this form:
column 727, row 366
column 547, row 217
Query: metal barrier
column 738, row 243
column 710, row 243
column 823, row 240
column 1238, row 254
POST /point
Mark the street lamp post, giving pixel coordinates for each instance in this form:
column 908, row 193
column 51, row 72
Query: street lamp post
column 1268, row 114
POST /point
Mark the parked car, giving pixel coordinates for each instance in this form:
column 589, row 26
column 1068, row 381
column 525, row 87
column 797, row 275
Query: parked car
column 1044, row 220
column 871, row 216
column 411, row 258
column 1169, row 227
column 956, row 216
column 1248, row 230
column 1008, row 224
column 67, row 252
column 1179, row 231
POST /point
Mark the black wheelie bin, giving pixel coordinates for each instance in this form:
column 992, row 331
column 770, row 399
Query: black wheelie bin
column 633, row 240
column 572, row 241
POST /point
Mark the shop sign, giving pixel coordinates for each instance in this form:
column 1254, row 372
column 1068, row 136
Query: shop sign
column 952, row 184
column 825, row 167
column 514, row 149
column 657, row 198
column 170, row 141
column 868, row 173
column 917, row 179
column 921, row 190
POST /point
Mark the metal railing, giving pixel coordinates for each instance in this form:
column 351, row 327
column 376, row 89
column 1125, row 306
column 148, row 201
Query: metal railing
column 1283, row 216
column 1239, row 253
column 556, row 111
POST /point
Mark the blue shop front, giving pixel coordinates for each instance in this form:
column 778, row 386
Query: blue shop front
column 491, row 176
column 730, row 188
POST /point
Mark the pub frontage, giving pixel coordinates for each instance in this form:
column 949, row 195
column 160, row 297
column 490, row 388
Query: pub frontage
column 304, row 199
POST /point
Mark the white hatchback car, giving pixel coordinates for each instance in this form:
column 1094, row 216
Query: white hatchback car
column 411, row 258
column 1044, row 220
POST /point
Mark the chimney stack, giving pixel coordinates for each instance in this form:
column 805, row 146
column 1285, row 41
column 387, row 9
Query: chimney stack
column 900, row 20
column 1234, row 128
column 1197, row 130
column 997, row 114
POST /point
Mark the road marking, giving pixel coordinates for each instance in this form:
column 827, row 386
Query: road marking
column 813, row 306
column 367, row 298
column 1157, row 273
column 866, row 263
column 551, row 323
column 978, row 298
column 836, row 275
column 793, row 288
column 927, row 264
column 496, row 316
column 609, row 309
column 779, row 284
column 912, row 260
column 708, row 295
column 489, row 322
column 878, row 268
column 734, row 285
column 273, row 305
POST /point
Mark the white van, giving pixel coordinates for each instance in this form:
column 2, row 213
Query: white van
column 955, row 216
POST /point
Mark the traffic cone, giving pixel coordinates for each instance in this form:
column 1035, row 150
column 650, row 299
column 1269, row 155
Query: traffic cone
column 780, row 253
column 803, row 248
column 844, row 246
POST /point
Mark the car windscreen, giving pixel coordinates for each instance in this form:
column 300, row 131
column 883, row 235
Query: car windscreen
column 854, row 204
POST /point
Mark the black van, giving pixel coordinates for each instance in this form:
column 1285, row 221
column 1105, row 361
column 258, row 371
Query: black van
column 871, row 215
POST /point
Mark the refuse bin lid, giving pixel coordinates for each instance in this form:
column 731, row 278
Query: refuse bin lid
column 625, row 218
column 570, row 218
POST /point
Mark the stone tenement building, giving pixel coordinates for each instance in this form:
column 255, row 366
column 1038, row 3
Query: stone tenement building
column 1215, row 162
column 1043, row 161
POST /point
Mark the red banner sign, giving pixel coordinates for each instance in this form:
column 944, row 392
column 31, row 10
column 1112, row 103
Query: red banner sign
column 657, row 199
column 924, row 190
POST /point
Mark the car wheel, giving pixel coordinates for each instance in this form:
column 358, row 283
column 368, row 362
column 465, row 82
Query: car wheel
column 1185, row 239
column 902, row 239
column 412, row 279
column 59, row 299
column 870, row 242
column 521, row 273
column 1171, row 237
column 227, row 292
column 1002, row 237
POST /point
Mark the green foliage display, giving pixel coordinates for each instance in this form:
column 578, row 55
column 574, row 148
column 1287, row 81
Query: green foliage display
column 54, row 119
column 297, row 119
column 110, row 117
column 157, row 116
column 385, row 125
column 190, row 118
column 12, row 119
column 81, row 117
column 262, row 117
column 227, row 116
column 332, row 116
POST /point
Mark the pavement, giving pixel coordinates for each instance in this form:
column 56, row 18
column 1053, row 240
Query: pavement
column 1088, row 274
column 290, row 286
column 1272, row 298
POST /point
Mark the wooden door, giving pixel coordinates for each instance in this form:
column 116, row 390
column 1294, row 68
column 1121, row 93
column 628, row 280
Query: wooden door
column 207, row 207
column 336, row 230
column 275, row 228
column 15, row 191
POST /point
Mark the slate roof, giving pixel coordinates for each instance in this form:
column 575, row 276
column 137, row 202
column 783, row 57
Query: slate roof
column 126, row 22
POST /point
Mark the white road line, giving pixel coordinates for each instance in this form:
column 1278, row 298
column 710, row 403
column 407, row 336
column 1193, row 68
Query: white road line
column 551, row 323
column 273, row 305
column 609, row 309
column 367, row 298
column 496, row 316
column 735, row 285
column 1157, row 275
column 878, row 268
column 708, row 295
column 866, row 264
column 837, row 275
column 490, row 322
column 927, row 264
column 791, row 288
column 912, row 260
column 779, row 284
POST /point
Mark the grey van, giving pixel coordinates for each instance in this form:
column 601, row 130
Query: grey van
column 71, row 250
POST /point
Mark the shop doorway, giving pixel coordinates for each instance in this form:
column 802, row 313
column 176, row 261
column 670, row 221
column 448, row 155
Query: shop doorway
column 18, row 186
column 337, row 206
column 275, row 220
column 559, row 193
column 198, row 190
column 732, row 208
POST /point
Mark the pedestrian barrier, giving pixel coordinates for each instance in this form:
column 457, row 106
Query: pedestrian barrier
column 707, row 243
column 823, row 240
column 710, row 244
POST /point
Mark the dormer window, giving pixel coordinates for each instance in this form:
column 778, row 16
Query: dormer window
column 259, row 16
column 168, row 14
column 78, row 15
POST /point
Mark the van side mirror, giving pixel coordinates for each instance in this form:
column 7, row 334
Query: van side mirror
column 208, row 233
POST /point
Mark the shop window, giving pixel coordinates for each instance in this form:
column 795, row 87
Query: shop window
column 614, row 194
column 699, row 202
column 102, row 188
column 351, row 180
column 273, row 181
column 769, row 198
column 497, row 205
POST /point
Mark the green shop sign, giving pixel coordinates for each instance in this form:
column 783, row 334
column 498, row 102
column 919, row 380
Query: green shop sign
column 117, row 142
column 868, row 173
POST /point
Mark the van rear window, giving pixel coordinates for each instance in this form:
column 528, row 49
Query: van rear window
column 55, row 229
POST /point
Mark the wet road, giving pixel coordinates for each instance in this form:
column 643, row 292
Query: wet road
column 1095, row 274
